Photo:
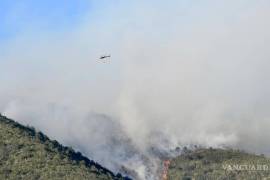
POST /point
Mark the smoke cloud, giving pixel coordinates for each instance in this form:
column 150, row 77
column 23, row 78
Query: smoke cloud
column 181, row 73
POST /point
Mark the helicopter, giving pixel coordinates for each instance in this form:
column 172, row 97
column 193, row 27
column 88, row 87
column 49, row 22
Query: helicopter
column 105, row 56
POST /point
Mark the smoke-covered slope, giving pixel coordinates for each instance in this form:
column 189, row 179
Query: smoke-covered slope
column 27, row 154
column 218, row 164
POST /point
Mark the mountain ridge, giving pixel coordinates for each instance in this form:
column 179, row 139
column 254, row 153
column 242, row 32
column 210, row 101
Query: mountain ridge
column 23, row 146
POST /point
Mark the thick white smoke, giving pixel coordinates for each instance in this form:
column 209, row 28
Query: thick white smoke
column 181, row 73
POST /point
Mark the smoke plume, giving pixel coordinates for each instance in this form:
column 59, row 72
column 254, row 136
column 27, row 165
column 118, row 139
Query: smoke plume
column 180, row 73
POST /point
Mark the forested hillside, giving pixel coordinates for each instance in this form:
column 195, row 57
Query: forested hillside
column 28, row 154
column 219, row 164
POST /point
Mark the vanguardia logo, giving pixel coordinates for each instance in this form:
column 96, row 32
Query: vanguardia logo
column 246, row 167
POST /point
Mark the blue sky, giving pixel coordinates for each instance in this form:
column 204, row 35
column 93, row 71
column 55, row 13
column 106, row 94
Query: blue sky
column 18, row 15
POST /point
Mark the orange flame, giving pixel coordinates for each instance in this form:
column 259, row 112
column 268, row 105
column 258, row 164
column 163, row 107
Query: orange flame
column 166, row 165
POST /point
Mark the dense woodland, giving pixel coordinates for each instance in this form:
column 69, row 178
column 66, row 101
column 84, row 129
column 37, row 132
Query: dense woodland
column 28, row 154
